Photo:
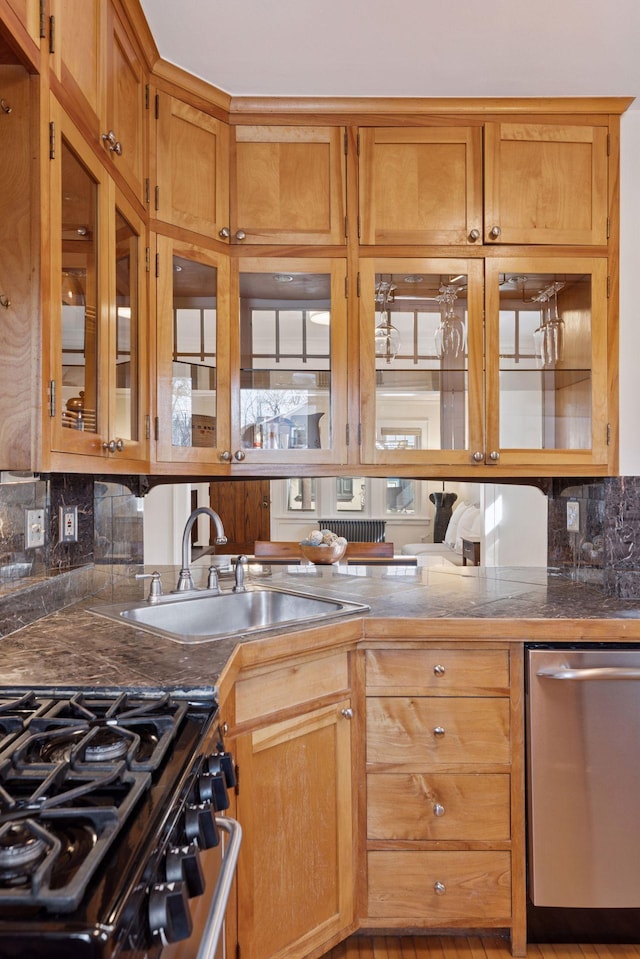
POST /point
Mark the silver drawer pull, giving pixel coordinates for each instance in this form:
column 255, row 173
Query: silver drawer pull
column 438, row 731
column 439, row 888
column 438, row 809
column 439, row 670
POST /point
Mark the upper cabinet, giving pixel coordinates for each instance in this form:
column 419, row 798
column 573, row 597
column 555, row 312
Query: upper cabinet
column 288, row 185
column 531, row 183
column 102, row 84
column 191, row 150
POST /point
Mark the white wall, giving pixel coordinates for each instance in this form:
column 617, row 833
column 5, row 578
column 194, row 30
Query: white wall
column 515, row 526
column 166, row 508
column 629, row 294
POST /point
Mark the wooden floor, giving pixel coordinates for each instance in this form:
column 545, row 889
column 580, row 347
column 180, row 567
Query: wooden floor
column 461, row 947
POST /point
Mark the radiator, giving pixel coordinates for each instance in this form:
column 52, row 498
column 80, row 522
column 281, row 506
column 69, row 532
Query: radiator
column 356, row 530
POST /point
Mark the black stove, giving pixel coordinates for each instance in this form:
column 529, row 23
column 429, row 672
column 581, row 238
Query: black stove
column 106, row 798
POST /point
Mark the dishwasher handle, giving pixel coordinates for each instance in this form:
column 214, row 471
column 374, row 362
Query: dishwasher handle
column 590, row 674
column 209, row 941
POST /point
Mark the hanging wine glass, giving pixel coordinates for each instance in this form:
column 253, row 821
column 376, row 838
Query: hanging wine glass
column 556, row 330
column 451, row 335
column 540, row 334
column 387, row 336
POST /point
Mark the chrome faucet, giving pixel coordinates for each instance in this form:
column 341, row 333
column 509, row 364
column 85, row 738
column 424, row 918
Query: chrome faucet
column 185, row 580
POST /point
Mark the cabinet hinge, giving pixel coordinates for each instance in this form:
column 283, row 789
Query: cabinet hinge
column 358, row 226
column 156, row 428
column 608, row 144
column 608, row 434
column 52, row 141
column 346, row 287
column 359, row 434
column 147, row 427
column 346, row 143
column 358, row 144
column 147, row 190
column 608, row 287
column 147, row 94
column 43, row 21
column 157, row 196
column 52, row 398
column 237, row 785
column 157, row 265
column 157, row 107
column 608, row 227
column 346, row 434
column 147, row 259
column 346, row 228
column 52, row 34
column 358, row 286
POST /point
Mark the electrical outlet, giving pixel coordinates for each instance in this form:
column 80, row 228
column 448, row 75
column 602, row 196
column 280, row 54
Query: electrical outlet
column 68, row 524
column 573, row 517
column 34, row 528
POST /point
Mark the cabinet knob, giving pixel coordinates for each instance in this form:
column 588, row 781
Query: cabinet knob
column 114, row 145
column 347, row 713
column 494, row 456
column 439, row 888
column 113, row 446
column 240, row 235
column 438, row 809
column 439, row 670
column 474, row 235
column 478, row 456
column 225, row 455
column 438, row 731
column 5, row 301
column 240, row 455
column 224, row 233
column 119, row 446
column 495, row 232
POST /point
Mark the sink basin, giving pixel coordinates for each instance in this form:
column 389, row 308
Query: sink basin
column 203, row 616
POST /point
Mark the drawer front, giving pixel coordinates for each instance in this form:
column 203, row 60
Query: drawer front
column 428, row 729
column 267, row 692
column 457, row 806
column 439, row 886
column 439, row 671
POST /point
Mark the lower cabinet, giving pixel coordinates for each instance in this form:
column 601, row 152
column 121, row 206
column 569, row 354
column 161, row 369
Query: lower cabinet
column 295, row 876
column 441, row 847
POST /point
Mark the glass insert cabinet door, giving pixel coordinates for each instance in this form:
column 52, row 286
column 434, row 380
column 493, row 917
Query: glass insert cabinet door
column 546, row 361
column 289, row 398
column 192, row 354
column 421, row 342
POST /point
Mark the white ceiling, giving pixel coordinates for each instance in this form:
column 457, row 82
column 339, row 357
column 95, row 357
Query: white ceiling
column 404, row 48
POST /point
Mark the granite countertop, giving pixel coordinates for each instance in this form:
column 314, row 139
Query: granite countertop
column 74, row 646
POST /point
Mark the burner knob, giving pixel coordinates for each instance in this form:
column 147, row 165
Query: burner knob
column 169, row 916
column 200, row 825
column 183, row 864
column 223, row 762
column 212, row 788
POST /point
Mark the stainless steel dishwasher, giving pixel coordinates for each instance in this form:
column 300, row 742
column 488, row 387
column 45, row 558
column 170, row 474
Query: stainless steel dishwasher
column 583, row 771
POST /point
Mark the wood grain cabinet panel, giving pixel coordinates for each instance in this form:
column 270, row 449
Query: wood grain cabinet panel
column 124, row 114
column 425, row 730
column 434, row 672
column 446, row 886
column 288, row 185
column 432, row 806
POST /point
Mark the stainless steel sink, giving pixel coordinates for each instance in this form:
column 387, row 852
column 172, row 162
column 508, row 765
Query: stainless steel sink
column 203, row 616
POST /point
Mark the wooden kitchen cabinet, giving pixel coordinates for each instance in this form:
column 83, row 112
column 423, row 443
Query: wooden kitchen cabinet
column 98, row 366
column 295, row 875
column 539, row 183
column 442, row 845
column 192, row 167
column 30, row 17
column 288, row 185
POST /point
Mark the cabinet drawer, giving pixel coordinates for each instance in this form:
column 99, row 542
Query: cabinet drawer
column 268, row 691
column 465, row 806
column 439, row 671
column 434, row 730
column 439, row 886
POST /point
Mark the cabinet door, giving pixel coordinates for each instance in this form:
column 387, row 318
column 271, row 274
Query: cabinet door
column 78, row 55
column 192, row 168
column 545, row 183
column 289, row 377
column 30, row 16
column 421, row 185
column 547, row 388
column 295, row 872
column 288, row 185
column 124, row 115
column 192, row 319
column 421, row 345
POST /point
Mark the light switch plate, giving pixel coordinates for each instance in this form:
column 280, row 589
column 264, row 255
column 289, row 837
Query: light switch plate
column 573, row 517
column 34, row 528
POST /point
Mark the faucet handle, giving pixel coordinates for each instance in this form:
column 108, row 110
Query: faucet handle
column 155, row 587
column 212, row 579
column 240, row 561
column 185, row 581
column 220, row 540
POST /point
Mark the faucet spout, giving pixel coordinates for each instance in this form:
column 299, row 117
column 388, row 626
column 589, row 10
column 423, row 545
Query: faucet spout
column 185, row 580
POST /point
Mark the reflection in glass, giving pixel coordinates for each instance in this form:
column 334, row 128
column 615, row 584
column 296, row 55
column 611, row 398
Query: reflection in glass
column 545, row 361
column 400, row 495
column 79, row 317
column 422, row 390
column 301, row 494
column 350, row 494
column 285, row 380
column 127, row 317
column 193, row 390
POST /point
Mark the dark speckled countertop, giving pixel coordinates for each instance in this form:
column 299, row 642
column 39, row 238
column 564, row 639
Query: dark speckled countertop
column 73, row 646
